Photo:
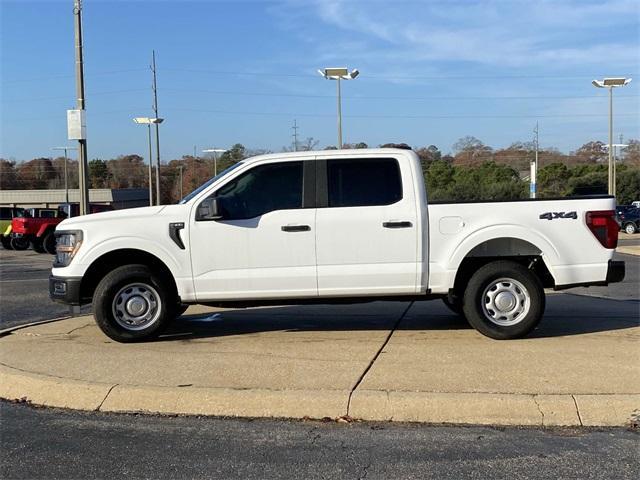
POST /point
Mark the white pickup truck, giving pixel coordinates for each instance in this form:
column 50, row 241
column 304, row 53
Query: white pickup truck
column 340, row 226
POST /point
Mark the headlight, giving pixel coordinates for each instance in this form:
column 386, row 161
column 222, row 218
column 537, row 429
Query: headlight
column 67, row 245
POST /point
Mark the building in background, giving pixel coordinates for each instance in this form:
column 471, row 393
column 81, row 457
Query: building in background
column 118, row 198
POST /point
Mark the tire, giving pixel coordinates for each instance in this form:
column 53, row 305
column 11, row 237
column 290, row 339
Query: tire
column 49, row 243
column 630, row 228
column 6, row 242
column 19, row 243
column 504, row 300
column 455, row 306
column 128, row 291
column 37, row 245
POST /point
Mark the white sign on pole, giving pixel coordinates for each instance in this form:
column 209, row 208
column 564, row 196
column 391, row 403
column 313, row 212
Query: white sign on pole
column 76, row 125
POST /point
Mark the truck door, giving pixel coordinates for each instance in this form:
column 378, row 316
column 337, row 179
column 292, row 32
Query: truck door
column 264, row 244
column 366, row 233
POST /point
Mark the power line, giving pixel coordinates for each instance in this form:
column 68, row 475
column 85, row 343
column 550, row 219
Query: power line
column 391, row 97
column 293, row 114
column 389, row 77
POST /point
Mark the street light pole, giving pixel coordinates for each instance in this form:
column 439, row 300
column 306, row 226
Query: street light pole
column 66, row 176
column 611, row 83
column 155, row 110
column 215, row 151
column 150, row 167
column 338, row 74
column 148, row 121
column 80, row 105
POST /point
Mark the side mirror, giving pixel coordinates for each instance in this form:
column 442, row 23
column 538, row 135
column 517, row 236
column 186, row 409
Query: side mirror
column 209, row 209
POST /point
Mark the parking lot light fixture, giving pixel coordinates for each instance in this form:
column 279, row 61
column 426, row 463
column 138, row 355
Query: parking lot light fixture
column 339, row 73
column 611, row 83
column 148, row 122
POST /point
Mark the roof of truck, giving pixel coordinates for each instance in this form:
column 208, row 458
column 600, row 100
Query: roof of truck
column 350, row 152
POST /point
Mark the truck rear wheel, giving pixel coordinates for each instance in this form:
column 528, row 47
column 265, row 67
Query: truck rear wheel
column 504, row 300
column 131, row 304
column 37, row 245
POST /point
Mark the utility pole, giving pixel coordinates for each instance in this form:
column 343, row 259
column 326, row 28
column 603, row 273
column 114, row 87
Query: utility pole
column 83, row 181
column 155, row 110
column 295, row 135
column 534, row 165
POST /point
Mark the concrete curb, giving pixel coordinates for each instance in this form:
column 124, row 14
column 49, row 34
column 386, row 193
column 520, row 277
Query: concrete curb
column 496, row 409
column 374, row 405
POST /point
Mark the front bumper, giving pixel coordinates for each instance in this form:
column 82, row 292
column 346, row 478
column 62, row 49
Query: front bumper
column 65, row 289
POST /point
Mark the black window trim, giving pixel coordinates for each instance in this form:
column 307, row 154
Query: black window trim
column 322, row 181
column 308, row 183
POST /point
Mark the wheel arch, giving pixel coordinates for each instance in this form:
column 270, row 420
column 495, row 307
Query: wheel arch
column 120, row 257
column 514, row 248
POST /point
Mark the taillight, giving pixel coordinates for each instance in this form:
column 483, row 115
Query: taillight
column 604, row 227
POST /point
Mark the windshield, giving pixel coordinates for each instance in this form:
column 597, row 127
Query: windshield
column 209, row 182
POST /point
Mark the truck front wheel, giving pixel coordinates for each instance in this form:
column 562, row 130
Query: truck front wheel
column 132, row 304
column 504, row 300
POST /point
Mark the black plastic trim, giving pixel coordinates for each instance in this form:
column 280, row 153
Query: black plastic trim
column 174, row 233
column 72, row 290
column 616, row 271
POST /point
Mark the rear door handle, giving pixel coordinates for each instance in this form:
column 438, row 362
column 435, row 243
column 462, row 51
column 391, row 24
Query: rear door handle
column 397, row 224
column 295, row 228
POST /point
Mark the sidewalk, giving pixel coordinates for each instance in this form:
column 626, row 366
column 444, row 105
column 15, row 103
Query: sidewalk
column 380, row 361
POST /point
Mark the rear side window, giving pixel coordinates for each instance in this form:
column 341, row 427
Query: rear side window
column 5, row 214
column 263, row 189
column 363, row 182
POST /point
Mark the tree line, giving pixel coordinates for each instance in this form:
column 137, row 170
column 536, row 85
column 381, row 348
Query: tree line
column 472, row 171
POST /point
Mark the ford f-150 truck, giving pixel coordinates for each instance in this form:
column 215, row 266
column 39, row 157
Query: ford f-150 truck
column 330, row 227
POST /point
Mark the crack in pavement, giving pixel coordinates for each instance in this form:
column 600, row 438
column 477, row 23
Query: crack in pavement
column 575, row 402
column 539, row 409
column 377, row 354
column 105, row 397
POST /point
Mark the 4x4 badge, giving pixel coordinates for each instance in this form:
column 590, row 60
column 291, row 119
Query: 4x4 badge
column 554, row 215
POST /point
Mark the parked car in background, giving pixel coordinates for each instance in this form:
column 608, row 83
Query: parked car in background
column 629, row 219
column 636, row 204
column 6, row 215
column 38, row 227
column 35, row 230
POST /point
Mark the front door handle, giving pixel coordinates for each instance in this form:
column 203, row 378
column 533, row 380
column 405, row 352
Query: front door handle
column 295, row 228
column 397, row 224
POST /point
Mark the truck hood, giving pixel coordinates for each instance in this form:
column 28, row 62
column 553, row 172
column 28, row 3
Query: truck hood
column 115, row 215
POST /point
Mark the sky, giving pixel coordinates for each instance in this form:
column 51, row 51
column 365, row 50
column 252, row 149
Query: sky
column 242, row 72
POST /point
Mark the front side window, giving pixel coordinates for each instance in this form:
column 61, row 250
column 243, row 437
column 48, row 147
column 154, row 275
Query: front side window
column 363, row 182
column 263, row 189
